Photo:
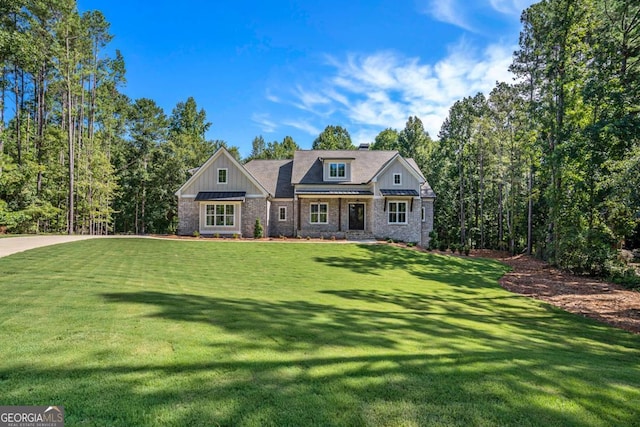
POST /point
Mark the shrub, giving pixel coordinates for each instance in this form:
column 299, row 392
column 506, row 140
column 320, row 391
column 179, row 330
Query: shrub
column 442, row 246
column 236, row 236
column 216, row 235
column 411, row 244
column 466, row 249
column 196, row 233
column 453, row 247
column 258, row 231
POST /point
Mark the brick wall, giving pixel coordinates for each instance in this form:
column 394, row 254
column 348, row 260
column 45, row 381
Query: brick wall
column 410, row 232
column 188, row 216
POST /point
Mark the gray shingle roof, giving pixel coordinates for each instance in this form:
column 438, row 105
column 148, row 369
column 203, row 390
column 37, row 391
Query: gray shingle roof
column 427, row 191
column 274, row 175
column 307, row 164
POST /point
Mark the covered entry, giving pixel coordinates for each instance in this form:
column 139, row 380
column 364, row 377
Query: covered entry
column 356, row 216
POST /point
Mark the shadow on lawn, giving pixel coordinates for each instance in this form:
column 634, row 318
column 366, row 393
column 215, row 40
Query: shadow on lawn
column 454, row 271
column 503, row 381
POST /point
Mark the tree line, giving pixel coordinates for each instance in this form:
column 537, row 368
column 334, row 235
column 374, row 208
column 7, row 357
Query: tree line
column 548, row 164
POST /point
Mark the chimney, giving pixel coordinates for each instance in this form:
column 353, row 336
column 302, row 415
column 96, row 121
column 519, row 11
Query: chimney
column 364, row 147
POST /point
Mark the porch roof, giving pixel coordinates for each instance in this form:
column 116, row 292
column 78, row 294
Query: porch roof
column 401, row 193
column 227, row 196
column 333, row 192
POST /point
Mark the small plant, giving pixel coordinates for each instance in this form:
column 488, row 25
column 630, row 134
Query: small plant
column 390, row 240
column 466, row 249
column 453, row 247
column 411, row 244
column 258, row 231
column 216, row 235
column 196, row 233
column 308, row 237
column 333, row 237
column 442, row 246
column 236, row 236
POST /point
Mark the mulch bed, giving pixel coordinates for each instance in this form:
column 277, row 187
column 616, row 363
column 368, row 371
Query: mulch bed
column 586, row 296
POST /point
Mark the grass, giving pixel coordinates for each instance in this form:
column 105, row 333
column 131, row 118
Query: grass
column 127, row 332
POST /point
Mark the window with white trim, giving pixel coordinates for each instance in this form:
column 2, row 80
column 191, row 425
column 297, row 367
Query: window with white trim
column 319, row 213
column 337, row 170
column 220, row 215
column 282, row 213
column 397, row 212
column 397, row 179
column 222, row 175
column 424, row 215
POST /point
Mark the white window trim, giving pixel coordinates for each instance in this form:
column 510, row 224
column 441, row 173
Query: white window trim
column 311, row 214
column 394, row 179
column 424, row 214
column 280, row 210
column 227, row 229
column 406, row 212
column 226, row 175
column 337, row 177
column 225, row 215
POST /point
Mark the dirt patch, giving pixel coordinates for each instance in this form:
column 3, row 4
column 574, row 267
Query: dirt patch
column 586, row 296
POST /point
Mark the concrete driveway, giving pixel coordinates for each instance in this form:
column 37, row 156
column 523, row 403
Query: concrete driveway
column 12, row 245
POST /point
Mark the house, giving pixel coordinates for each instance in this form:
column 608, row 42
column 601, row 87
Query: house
column 357, row 194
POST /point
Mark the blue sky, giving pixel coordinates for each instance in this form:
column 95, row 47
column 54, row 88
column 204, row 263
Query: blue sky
column 277, row 68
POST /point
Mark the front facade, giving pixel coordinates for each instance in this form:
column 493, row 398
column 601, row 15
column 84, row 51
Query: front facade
column 357, row 194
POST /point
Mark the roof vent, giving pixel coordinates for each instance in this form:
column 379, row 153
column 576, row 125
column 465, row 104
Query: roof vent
column 364, row 147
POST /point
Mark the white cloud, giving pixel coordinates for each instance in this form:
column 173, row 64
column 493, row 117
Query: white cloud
column 266, row 124
column 510, row 7
column 448, row 11
column 303, row 125
column 383, row 89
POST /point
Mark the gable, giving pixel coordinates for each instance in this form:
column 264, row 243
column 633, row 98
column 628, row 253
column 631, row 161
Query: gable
column 409, row 177
column 206, row 178
column 309, row 165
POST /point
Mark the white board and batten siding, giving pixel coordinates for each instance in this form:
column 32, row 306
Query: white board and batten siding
column 237, row 179
column 408, row 180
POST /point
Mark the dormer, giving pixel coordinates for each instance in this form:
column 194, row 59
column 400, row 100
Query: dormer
column 337, row 169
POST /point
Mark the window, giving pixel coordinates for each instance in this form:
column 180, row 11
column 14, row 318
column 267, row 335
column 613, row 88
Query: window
column 222, row 176
column 319, row 213
column 397, row 179
column 337, row 170
column 397, row 212
column 424, row 216
column 282, row 213
column 220, row 215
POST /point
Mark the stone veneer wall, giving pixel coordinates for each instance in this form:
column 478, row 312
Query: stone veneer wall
column 410, row 232
column 427, row 224
column 188, row 216
column 253, row 208
column 282, row 228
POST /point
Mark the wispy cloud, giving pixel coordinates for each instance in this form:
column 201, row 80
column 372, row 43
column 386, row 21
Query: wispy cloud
column 510, row 7
column 383, row 89
column 449, row 11
column 303, row 125
column 472, row 16
column 264, row 121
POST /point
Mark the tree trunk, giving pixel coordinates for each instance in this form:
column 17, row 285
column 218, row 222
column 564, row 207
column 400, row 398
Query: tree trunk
column 70, row 221
column 530, row 212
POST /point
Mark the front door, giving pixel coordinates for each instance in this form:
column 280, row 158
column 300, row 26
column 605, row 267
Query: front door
column 356, row 216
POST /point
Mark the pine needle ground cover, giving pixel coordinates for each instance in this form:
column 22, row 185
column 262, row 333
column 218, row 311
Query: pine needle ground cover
column 126, row 332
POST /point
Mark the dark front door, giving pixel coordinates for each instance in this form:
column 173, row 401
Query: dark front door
column 356, row 216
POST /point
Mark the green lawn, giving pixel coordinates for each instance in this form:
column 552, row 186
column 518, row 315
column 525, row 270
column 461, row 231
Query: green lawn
column 133, row 332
